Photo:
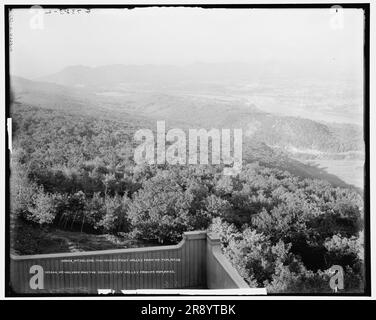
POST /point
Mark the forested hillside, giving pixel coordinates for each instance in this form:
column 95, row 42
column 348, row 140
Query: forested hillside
column 280, row 230
column 302, row 138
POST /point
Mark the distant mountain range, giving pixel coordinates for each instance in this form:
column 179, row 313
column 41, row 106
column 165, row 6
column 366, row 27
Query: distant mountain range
column 161, row 74
column 113, row 74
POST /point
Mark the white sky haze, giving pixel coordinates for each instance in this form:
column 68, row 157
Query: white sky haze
column 180, row 36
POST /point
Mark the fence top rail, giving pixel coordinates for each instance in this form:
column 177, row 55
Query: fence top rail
column 189, row 235
column 98, row 252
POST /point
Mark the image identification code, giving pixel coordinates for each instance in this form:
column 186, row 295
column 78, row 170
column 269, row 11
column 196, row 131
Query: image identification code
column 194, row 309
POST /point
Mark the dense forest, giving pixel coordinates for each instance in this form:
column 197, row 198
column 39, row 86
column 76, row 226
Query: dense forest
column 281, row 231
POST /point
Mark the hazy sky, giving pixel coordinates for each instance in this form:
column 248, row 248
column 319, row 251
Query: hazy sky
column 315, row 38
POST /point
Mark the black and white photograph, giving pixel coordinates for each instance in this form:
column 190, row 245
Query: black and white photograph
column 187, row 150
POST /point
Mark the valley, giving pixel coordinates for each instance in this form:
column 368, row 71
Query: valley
column 350, row 171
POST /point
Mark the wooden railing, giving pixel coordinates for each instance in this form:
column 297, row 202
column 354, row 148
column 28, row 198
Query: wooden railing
column 195, row 263
column 221, row 274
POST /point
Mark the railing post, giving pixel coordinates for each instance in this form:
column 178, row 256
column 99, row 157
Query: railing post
column 194, row 270
column 213, row 243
